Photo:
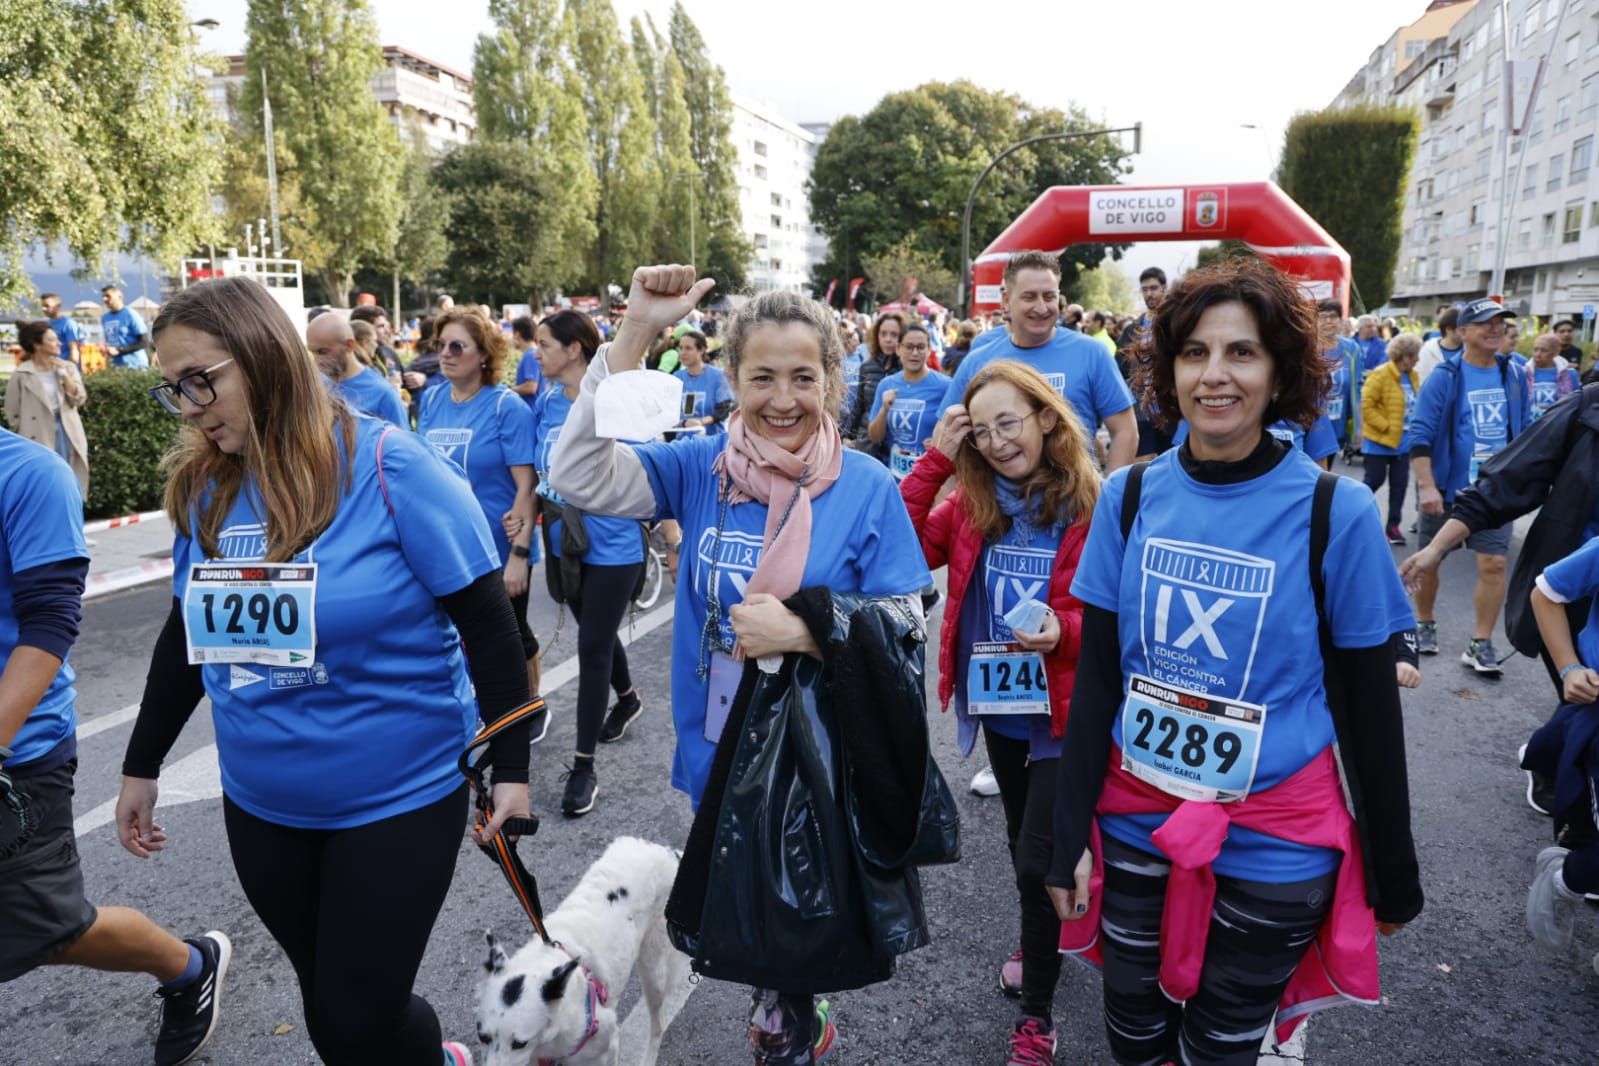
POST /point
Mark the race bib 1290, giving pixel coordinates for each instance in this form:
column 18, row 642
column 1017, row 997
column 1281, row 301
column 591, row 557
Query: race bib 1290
column 251, row 613
column 1188, row 744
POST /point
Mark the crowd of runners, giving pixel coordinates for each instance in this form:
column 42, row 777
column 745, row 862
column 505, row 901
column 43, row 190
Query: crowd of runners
column 1179, row 636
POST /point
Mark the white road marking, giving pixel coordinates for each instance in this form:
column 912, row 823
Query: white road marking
column 107, row 721
column 635, row 1027
column 192, row 778
column 1290, row 1054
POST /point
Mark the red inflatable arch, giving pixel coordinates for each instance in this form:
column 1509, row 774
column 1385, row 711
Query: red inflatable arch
column 1257, row 213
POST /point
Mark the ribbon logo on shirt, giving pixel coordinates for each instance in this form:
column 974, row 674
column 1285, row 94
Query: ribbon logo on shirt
column 1487, row 414
column 903, row 418
column 1203, row 609
column 735, row 560
column 242, row 542
column 1014, row 575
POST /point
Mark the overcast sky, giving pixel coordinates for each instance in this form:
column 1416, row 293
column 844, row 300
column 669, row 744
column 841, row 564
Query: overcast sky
column 1195, row 74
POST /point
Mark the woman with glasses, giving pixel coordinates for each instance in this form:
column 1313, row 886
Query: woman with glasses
column 1011, row 534
column 905, row 408
column 43, row 396
column 483, row 427
column 303, row 533
column 1202, row 842
column 882, row 359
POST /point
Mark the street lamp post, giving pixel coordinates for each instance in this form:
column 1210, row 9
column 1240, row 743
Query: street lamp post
column 693, row 247
column 1136, row 129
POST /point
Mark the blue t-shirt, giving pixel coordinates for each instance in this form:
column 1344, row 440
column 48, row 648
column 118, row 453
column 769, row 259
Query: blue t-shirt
column 1341, row 398
column 1545, row 385
column 612, row 541
column 1485, row 412
column 1080, row 369
column 1011, row 572
column 70, row 333
column 370, row 728
column 1318, row 443
column 862, row 541
column 1212, row 594
column 41, row 522
column 851, row 366
column 911, row 419
column 370, row 393
column 485, row 437
column 1375, row 352
column 529, row 369
column 1573, row 578
column 121, row 329
column 702, row 394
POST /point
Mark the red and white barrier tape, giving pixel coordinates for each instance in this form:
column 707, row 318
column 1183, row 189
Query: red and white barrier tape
column 127, row 578
column 104, row 524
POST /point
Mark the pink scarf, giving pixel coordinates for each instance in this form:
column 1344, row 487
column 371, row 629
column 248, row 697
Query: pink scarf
column 765, row 473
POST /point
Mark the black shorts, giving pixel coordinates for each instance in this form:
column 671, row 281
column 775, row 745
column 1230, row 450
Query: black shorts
column 43, row 911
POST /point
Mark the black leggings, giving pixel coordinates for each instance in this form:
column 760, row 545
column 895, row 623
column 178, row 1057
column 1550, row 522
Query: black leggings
column 1027, row 790
column 1395, row 469
column 353, row 910
column 530, row 643
column 1258, row 934
column 599, row 608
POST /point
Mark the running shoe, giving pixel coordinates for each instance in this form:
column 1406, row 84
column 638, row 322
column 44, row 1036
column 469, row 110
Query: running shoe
column 189, row 1014
column 826, row 1032
column 1010, row 974
column 1394, row 536
column 582, row 785
column 1540, row 790
column 1032, row 1043
column 984, row 783
column 1481, row 657
column 456, row 1054
column 621, row 715
column 539, row 724
column 1551, row 906
column 1427, row 638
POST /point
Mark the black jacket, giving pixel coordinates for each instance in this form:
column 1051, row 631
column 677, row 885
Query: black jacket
column 873, row 370
column 818, row 766
column 1554, row 465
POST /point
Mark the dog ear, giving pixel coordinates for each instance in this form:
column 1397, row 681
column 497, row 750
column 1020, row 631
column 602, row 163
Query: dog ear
column 496, row 960
column 555, row 987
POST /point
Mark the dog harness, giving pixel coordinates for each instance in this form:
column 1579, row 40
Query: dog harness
column 523, row 884
column 598, row 996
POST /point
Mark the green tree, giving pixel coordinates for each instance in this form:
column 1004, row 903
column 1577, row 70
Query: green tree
column 905, row 168
column 420, row 247
column 665, row 86
column 526, row 91
column 107, row 141
column 1106, row 287
column 1361, row 207
column 887, row 272
column 621, row 144
column 725, row 251
column 504, row 241
column 340, row 154
column 1220, row 252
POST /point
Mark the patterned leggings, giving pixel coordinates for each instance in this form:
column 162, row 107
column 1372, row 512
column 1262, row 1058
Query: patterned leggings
column 1258, row 934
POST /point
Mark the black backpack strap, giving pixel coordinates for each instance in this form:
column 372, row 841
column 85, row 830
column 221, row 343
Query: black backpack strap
column 1130, row 494
column 1320, row 532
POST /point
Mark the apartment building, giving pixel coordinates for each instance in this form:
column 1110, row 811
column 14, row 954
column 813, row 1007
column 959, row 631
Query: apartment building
column 775, row 157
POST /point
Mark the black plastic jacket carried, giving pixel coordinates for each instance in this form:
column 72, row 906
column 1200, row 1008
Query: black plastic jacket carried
column 775, row 888
column 1552, row 465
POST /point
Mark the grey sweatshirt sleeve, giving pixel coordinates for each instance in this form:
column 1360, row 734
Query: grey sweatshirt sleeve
column 597, row 474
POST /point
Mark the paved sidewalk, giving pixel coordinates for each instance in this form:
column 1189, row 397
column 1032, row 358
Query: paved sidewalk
column 129, row 556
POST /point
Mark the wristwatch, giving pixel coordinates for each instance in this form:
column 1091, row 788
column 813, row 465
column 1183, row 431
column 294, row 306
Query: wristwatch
column 520, row 552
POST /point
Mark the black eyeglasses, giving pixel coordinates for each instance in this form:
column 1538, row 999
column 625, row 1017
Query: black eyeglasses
column 195, row 387
column 1007, row 428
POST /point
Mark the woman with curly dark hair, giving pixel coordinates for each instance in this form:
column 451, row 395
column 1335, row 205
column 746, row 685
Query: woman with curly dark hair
column 1202, row 842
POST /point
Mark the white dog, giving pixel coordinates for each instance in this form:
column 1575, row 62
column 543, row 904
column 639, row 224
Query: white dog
column 558, row 1003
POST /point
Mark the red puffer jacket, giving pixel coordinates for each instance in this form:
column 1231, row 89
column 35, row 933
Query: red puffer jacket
column 949, row 539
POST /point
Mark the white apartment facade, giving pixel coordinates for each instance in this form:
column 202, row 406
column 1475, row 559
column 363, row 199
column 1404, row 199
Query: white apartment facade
column 422, row 98
column 775, row 157
column 1452, row 221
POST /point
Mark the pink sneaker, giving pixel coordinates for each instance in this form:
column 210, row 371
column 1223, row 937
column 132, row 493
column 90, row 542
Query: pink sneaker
column 1010, row 974
column 1032, row 1043
column 456, row 1054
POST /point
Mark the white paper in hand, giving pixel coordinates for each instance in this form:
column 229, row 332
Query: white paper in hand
column 638, row 405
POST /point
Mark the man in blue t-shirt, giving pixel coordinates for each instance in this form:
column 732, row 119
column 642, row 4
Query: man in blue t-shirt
column 529, row 374
column 1373, row 348
column 1079, row 368
column 126, row 336
column 333, row 343
column 45, row 916
column 1343, row 402
column 70, row 333
column 1469, row 409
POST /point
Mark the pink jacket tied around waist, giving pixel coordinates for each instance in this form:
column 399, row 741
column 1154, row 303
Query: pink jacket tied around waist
column 1307, row 808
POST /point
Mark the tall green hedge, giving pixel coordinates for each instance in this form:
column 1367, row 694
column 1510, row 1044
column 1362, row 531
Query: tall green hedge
column 1349, row 167
column 128, row 434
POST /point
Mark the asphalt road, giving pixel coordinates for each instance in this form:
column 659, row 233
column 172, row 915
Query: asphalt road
column 1461, row 985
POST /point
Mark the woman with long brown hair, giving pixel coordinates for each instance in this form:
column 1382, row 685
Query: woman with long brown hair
column 357, row 610
column 1011, row 534
column 43, row 397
